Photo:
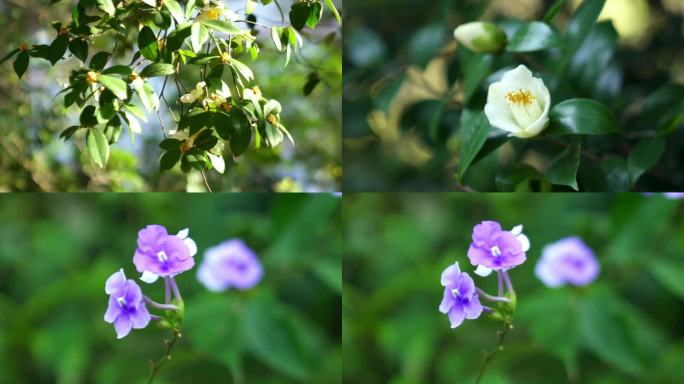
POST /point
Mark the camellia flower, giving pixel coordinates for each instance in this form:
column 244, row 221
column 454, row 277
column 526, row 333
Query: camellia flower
column 567, row 261
column 230, row 264
column 161, row 254
column 195, row 94
column 519, row 103
column 495, row 249
column 481, row 37
column 126, row 305
column 460, row 299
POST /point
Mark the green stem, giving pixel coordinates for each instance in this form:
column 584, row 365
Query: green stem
column 551, row 13
column 490, row 355
column 168, row 344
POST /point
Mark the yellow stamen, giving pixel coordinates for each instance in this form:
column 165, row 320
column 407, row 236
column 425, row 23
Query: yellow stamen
column 520, row 97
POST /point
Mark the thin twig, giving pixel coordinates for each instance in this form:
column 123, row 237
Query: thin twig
column 206, row 182
column 168, row 344
column 499, row 347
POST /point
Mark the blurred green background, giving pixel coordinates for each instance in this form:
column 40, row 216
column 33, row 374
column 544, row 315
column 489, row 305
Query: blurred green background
column 626, row 327
column 56, row 251
column 34, row 158
column 400, row 61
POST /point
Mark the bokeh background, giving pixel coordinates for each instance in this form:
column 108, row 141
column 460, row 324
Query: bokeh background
column 56, row 251
column 391, row 141
column 623, row 328
column 33, row 158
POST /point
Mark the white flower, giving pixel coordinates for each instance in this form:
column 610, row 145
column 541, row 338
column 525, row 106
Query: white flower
column 524, row 244
column 519, row 103
column 481, row 37
column 195, row 94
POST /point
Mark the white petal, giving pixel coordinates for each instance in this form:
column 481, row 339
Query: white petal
column 517, row 230
column 483, row 271
column 183, row 233
column 149, row 277
column 192, row 247
column 524, row 242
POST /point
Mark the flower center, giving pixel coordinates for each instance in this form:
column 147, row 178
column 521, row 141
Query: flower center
column 520, row 97
column 121, row 301
column 455, row 293
column 162, row 256
column 496, row 252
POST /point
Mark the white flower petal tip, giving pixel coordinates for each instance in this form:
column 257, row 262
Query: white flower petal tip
column 519, row 103
column 483, row 271
column 183, row 233
column 524, row 242
column 192, row 247
column 149, row 277
column 517, row 230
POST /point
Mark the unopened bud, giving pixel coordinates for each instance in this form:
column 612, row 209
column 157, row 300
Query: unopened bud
column 92, row 77
column 481, row 37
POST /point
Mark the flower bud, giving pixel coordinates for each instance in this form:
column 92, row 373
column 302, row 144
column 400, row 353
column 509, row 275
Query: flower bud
column 481, row 37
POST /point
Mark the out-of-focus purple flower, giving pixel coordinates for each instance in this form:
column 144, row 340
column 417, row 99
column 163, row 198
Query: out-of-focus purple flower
column 126, row 305
column 161, row 254
column 567, row 261
column 674, row 195
column 460, row 299
column 495, row 249
column 230, row 264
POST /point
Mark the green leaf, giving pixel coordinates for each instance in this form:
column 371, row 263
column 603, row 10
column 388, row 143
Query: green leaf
column 21, row 63
column 9, row 55
column 273, row 135
column 644, row 155
column 79, row 48
column 315, row 14
column 332, row 8
column 275, row 36
column 198, row 36
column 97, row 146
column 116, row 85
column 553, row 10
column 299, row 13
column 474, row 131
column 242, row 70
column 533, row 36
column 58, row 48
column 563, row 169
column 224, row 26
column 617, row 175
column 147, row 42
column 578, row 28
column 475, row 68
column 169, row 159
column 581, row 117
column 175, row 10
column 87, row 117
column 107, row 6
column 158, row 69
column 509, row 179
column 241, row 134
column 99, row 60
column 669, row 273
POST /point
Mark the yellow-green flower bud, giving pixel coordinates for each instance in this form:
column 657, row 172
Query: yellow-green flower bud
column 481, row 37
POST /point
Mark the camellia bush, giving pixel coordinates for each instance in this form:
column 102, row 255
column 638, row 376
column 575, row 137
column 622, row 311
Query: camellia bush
column 553, row 103
column 164, row 38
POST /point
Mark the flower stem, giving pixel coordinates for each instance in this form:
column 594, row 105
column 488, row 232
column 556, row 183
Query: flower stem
column 174, row 287
column 168, row 344
column 500, row 278
column 167, row 290
column 500, row 299
column 154, row 304
column 507, row 280
column 489, row 355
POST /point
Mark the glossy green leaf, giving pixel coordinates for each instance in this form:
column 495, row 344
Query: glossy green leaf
column 534, row 36
column 616, row 173
column 21, row 63
column 58, row 48
column 79, row 48
column 99, row 60
column 198, row 36
column 332, row 8
column 9, row 55
column 158, row 69
column 553, row 10
column 511, row 179
column 169, row 159
column 299, row 13
column 563, row 169
column 107, row 6
column 474, row 131
column 315, row 14
column 116, row 85
column 644, row 156
column 475, row 67
column 147, row 42
column 581, row 117
column 224, row 26
column 669, row 273
column 175, row 10
column 578, row 28
column 97, row 146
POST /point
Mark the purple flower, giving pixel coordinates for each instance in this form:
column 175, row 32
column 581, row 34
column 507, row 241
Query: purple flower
column 495, row 249
column 161, row 254
column 460, row 299
column 126, row 305
column 230, row 264
column 567, row 261
column 674, row 195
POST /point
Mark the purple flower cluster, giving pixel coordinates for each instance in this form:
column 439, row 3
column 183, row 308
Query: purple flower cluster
column 567, row 261
column 460, row 299
column 230, row 264
column 158, row 254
